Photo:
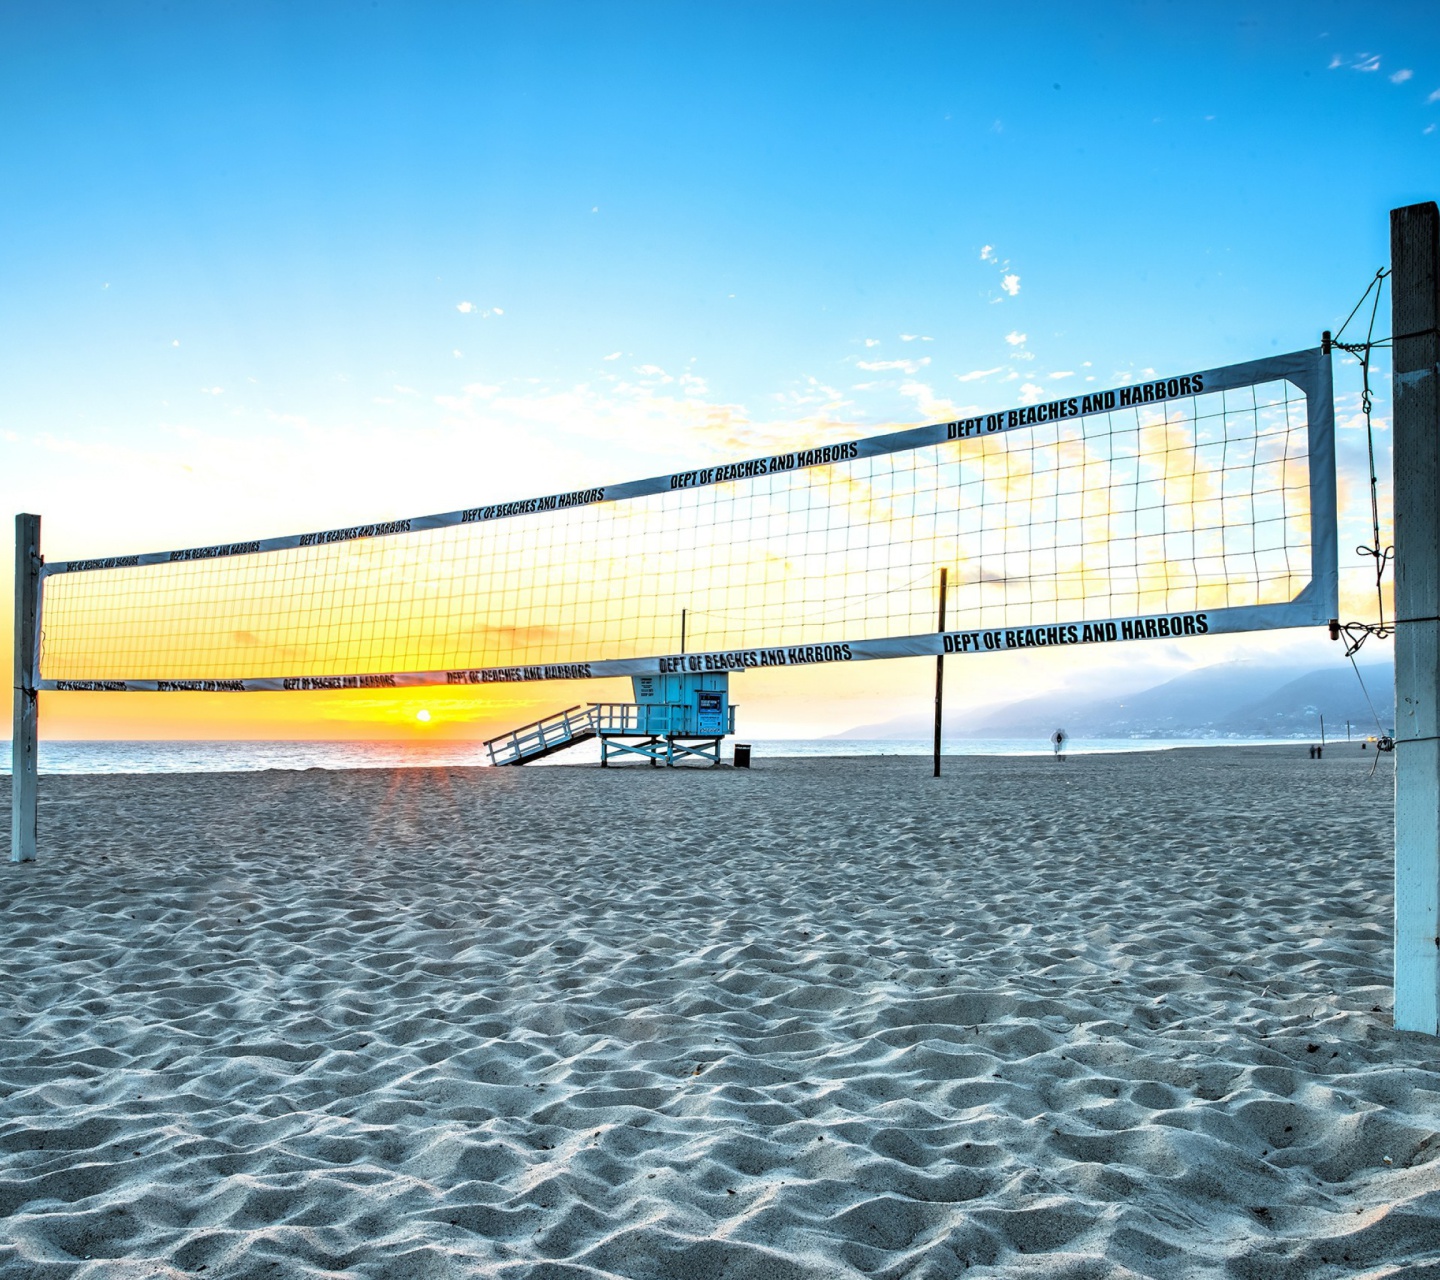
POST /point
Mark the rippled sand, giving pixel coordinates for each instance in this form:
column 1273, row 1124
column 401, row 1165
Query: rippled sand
column 1125, row 1016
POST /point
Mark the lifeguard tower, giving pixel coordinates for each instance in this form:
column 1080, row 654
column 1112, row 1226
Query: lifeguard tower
column 675, row 715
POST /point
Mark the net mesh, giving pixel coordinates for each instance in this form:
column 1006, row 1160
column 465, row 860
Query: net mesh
column 1197, row 503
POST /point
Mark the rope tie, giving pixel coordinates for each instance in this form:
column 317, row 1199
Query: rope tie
column 1356, row 633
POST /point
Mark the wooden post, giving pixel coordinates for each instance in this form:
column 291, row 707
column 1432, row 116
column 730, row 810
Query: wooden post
column 940, row 674
column 1415, row 310
column 24, row 742
column 682, row 630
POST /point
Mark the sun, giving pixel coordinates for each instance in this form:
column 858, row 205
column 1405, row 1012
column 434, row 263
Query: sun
column 423, row 716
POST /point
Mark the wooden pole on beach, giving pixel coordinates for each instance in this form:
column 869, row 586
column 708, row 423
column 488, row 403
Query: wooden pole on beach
column 24, row 727
column 940, row 674
column 1415, row 314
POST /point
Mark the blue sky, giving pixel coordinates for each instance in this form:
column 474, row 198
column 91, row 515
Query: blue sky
column 277, row 267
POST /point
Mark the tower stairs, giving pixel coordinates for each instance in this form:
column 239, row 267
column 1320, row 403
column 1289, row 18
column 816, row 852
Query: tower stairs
column 544, row 737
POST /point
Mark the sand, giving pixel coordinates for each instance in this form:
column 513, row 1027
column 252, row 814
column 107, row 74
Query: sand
column 1125, row 1016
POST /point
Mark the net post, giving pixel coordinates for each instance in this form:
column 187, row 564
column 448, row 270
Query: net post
column 940, row 672
column 1415, row 313
column 26, row 707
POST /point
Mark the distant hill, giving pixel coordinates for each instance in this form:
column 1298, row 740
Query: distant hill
column 1233, row 699
column 1332, row 692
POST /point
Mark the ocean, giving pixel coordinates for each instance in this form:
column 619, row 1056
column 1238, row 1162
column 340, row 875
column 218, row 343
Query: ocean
column 246, row 757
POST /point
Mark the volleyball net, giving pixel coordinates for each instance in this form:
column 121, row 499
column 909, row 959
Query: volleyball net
column 1196, row 504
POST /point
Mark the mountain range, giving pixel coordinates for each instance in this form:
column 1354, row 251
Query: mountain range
column 1228, row 700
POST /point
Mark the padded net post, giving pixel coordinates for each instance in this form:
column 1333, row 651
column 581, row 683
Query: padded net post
column 24, row 740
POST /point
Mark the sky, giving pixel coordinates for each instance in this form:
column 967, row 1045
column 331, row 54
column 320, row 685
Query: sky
column 273, row 268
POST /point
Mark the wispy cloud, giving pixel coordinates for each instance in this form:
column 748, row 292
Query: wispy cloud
column 1064, row 373
column 872, row 342
column 1031, row 393
column 248, row 475
column 1009, row 280
column 1434, row 97
column 904, row 366
column 465, row 307
column 915, row 337
column 470, row 394
column 1369, row 62
column 976, row 374
column 929, row 404
column 811, row 391
column 212, row 391
column 1015, row 338
column 614, row 355
column 1401, row 76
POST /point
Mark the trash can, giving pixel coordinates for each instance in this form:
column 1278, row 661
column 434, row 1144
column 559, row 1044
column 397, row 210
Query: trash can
column 742, row 755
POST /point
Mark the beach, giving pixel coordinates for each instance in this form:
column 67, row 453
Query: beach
column 1128, row 1015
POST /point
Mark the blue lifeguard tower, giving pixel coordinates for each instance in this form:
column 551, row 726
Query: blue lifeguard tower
column 675, row 715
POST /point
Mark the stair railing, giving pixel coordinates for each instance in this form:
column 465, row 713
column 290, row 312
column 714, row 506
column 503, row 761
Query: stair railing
column 530, row 739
